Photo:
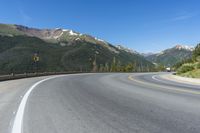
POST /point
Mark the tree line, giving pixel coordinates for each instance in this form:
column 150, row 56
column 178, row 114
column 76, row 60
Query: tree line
column 117, row 66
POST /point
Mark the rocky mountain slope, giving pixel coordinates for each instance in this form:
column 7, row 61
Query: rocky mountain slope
column 62, row 50
column 171, row 56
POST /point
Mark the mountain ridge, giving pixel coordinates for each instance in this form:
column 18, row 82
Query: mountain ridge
column 171, row 56
column 56, row 34
column 62, row 50
column 70, row 38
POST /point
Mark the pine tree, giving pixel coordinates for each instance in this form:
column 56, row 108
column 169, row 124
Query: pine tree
column 196, row 53
column 129, row 68
column 113, row 66
column 118, row 67
column 101, row 68
column 94, row 65
column 106, row 67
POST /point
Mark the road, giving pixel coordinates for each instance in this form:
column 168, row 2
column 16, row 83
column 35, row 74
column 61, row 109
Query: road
column 99, row 103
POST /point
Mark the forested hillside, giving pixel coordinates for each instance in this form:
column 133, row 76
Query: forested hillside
column 17, row 52
column 190, row 67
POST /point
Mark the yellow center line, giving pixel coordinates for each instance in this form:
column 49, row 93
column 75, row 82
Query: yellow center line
column 162, row 87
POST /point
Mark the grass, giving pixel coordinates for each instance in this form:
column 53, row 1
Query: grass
column 191, row 74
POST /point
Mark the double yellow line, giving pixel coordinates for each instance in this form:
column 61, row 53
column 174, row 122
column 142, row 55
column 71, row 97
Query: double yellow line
column 159, row 87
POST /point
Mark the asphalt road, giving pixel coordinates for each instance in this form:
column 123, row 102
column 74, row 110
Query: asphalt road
column 99, row 103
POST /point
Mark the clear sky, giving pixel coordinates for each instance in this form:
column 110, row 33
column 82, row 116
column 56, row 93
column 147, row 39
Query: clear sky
column 144, row 25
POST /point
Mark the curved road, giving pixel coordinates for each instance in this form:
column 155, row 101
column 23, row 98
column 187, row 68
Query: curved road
column 99, row 103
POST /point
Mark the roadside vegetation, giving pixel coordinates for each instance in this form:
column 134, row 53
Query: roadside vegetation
column 190, row 67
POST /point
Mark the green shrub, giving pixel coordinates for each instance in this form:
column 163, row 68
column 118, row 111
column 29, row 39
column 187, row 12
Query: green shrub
column 198, row 66
column 186, row 68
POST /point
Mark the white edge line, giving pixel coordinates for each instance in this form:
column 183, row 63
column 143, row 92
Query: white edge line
column 185, row 84
column 154, row 77
column 18, row 121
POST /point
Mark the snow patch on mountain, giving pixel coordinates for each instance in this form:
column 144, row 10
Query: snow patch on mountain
column 58, row 28
column 73, row 33
column 129, row 50
column 97, row 39
column 64, row 30
column 77, row 39
column 180, row 47
column 160, row 53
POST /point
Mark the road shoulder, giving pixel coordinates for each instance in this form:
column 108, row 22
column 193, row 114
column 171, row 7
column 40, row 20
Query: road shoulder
column 180, row 79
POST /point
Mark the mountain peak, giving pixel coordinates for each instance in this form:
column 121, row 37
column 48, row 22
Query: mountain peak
column 73, row 51
column 171, row 56
column 180, row 47
column 129, row 50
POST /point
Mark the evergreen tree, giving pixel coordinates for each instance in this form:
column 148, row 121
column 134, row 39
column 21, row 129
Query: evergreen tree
column 107, row 68
column 196, row 53
column 101, row 68
column 129, row 68
column 119, row 66
column 95, row 68
column 113, row 65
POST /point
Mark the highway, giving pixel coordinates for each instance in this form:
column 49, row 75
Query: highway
column 99, row 103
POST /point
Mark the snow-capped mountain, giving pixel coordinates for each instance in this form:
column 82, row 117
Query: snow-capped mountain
column 129, row 50
column 58, row 35
column 180, row 47
column 171, row 56
column 60, row 50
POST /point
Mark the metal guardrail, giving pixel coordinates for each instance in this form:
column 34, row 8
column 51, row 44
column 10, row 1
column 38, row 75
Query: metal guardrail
column 29, row 75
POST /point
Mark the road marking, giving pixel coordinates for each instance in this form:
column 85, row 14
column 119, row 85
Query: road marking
column 162, row 87
column 130, row 77
column 154, row 77
column 18, row 121
column 185, row 84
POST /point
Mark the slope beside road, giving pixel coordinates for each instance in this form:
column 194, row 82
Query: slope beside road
column 99, row 103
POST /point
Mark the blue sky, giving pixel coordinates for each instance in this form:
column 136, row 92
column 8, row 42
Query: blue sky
column 144, row 25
